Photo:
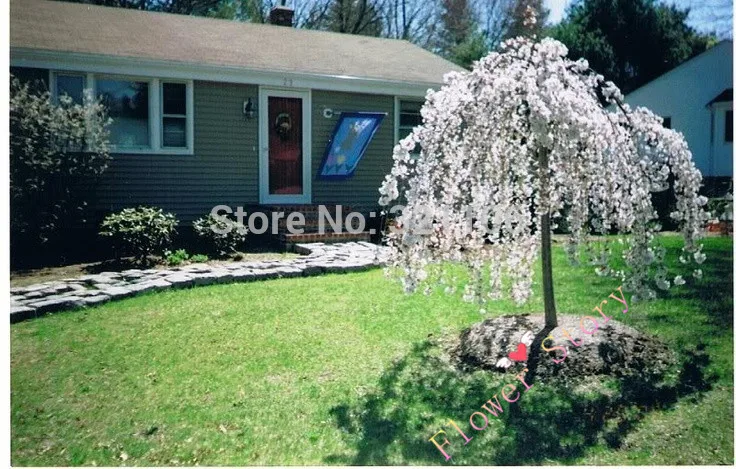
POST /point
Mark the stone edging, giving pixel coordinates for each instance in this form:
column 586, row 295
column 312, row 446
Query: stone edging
column 89, row 290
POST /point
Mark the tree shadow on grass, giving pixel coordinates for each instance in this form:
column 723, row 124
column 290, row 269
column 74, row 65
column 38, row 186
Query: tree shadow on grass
column 418, row 395
column 713, row 293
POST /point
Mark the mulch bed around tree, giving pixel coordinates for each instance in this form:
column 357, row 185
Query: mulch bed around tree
column 614, row 349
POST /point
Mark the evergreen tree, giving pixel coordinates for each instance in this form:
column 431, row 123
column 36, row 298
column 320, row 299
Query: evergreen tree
column 459, row 39
column 629, row 41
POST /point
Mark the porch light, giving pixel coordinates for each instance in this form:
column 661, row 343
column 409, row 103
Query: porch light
column 249, row 109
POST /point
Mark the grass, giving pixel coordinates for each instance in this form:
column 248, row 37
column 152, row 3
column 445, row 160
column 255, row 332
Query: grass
column 338, row 370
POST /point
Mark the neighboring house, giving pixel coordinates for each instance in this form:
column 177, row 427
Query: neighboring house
column 210, row 112
column 696, row 98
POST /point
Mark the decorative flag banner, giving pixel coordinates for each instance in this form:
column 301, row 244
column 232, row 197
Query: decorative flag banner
column 352, row 134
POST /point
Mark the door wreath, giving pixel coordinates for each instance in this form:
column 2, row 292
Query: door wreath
column 283, row 125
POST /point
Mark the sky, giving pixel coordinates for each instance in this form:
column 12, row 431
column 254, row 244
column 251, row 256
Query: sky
column 556, row 9
column 705, row 15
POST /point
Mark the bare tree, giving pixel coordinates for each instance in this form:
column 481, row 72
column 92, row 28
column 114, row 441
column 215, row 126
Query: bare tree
column 495, row 17
column 185, row 7
column 311, row 14
column 354, row 17
column 416, row 21
column 308, row 14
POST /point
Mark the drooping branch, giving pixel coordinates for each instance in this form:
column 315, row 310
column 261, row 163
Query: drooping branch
column 486, row 135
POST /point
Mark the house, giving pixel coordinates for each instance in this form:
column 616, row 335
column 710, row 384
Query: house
column 696, row 98
column 209, row 112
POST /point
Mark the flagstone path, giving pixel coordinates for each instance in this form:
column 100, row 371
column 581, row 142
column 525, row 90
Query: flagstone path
column 36, row 300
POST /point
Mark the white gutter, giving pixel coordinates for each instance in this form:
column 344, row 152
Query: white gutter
column 119, row 65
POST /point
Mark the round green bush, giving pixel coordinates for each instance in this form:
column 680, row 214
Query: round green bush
column 139, row 231
column 220, row 235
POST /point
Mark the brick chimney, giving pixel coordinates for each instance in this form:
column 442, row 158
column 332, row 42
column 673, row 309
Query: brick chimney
column 281, row 15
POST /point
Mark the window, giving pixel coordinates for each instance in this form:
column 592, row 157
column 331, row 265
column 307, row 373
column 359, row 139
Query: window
column 148, row 115
column 409, row 117
column 70, row 85
column 729, row 126
column 127, row 105
column 174, row 116
column 667, row 123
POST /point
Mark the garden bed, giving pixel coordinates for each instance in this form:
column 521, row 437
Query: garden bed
column 25, row 277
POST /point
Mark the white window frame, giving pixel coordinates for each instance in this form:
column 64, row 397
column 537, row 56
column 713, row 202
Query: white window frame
column 189, row 125
column 155, row 111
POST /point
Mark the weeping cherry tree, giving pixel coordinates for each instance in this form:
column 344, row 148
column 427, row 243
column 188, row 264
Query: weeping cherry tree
column 525, row 140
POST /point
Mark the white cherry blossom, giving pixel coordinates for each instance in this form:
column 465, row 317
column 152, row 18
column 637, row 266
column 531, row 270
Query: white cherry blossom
column 479, row 151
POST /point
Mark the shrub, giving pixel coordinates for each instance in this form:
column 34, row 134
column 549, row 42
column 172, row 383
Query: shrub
column 221, row 236
column 177, row 257
column 55, row 150
column 139, row 231
column 199, row 258
column 721, row 208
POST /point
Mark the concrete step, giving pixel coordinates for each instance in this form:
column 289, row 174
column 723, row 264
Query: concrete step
column 311, row 225
column 288, row 241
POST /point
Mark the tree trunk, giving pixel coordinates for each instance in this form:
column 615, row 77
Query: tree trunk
column 550, row 311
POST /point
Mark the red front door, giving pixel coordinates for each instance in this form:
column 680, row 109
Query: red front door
column 285, row 150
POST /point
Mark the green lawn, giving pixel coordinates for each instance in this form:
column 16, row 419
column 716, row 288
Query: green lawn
column 337, row 370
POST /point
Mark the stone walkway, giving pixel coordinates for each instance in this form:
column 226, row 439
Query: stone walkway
column 36, row 300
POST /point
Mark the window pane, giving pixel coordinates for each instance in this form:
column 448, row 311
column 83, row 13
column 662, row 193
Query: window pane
column 408, row 119
column 175, row 98
column 175, row 134
column 72, row 86
column 729, row 126
column 411, row 106
column 409, row 114
column 127, row 105
column 404, row 132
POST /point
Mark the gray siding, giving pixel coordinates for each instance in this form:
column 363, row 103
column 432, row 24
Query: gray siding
column 223, row 169
column 361, row 190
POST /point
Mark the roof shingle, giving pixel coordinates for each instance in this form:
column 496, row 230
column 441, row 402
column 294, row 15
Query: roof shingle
column 84, row 29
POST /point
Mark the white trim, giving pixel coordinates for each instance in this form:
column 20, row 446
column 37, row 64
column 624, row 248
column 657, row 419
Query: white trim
column 263, row 124
column 397, row 111
column 24, row 57
column 721, row 106
column 189, row 117
column 52, row 82
column 155, row 110
column 154, row 118
column 728, row 43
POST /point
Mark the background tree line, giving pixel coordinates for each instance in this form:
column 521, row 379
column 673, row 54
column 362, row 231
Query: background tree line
column 628, row 41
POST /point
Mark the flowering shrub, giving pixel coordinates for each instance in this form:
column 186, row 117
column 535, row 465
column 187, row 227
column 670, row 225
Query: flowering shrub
column 525, row 134
column 139, row 231
column 222, row 235
column 53, row 148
